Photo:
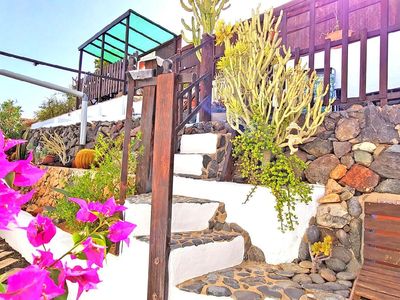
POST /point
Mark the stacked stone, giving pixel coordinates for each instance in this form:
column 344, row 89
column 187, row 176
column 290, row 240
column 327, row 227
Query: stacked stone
column 355, row 152
column 213, row 163
column 70, row 134
column 207, row 127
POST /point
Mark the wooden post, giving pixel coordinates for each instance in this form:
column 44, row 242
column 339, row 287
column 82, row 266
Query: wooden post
column 206, row 66
column 127, row 136
column 79, row 87
column 126, row 51
column 161, row 205
column 143, row 172
column 311, row 38
column 103, row 39
column 383, row 70
column 327, row 70
column 345, row 50
column 363, row 65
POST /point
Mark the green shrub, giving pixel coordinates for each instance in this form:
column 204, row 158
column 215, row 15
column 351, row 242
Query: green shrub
column 263, row 163
column 101, row 182
column 11, row 119
column 54, row 107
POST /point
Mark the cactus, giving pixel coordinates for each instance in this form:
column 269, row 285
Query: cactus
column 21, row 149
column 255, row 80
column 55, row 145
column 205, row 16
column 85, row 158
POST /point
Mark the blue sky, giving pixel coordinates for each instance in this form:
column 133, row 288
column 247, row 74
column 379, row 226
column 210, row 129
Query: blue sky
column 52, row 30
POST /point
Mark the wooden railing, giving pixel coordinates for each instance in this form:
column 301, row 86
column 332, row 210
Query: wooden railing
column 304, row 27
column 99, row 89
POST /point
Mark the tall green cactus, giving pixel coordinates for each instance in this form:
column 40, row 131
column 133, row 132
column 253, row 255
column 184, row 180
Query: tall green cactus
column 205, row 16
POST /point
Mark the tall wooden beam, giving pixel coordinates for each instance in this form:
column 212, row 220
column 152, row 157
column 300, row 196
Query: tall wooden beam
column 311, row 43
column 103, row 39
column 327, row 69
column 161, row 205
column 345, row 49
column 79, row 86
column 383, row 70
column 145, row 161
column 126, row 51
column 206, row 66
column 363, row 65
column 127, row 137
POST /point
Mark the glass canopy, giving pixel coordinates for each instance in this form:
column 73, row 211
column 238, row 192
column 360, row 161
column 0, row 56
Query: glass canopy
column 130, row 32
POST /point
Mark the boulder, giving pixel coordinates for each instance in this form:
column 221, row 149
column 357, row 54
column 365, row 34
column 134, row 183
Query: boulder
column 341, row 148
column 317, row 278
column 391, row 186
column 328, row 275
column 313, row 234
column 335, row 264
column 365, row 146
column 333, row 215
column 363, row 158
column 338, row 172
column 387, row 163
column 318, row 170
column 302, row 279
column 361, row 178
column 378, row 129
column 347, row 129
column 333, row 187
column 343, row 237
column 330, row 198
column 354, row 207
column 342, row 253
column 318, row 147
column 355, row 237
column 347, row 160
column 346, row 276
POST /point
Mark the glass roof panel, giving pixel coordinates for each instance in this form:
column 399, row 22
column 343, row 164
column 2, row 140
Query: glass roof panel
column 144, row 36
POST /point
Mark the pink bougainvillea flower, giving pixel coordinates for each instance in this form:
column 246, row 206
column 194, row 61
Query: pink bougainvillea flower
column 26, row 174
column 12, row 143
column 84, row 214
column 120, row 231
column 45, row 260
column 10, row 204
column 40, row 231
column 31, row 283
column 94, row 253
column 87, row 279
column 110, row 207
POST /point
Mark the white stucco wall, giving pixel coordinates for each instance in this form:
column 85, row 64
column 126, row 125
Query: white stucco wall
column 257, row 216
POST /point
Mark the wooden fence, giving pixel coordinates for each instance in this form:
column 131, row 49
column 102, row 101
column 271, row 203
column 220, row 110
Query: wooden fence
column 313, row 26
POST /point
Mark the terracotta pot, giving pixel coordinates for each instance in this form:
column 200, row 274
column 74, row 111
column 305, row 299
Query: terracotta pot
column 48, row 159
column 337, row 35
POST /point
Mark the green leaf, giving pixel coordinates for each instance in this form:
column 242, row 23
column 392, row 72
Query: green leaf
column 61, row 191
column 3, row 288
column 9, row 179
column 78, row 237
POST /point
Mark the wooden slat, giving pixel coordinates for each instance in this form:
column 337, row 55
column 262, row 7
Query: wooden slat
column 206, row 67
column 384, row 256
column 363, row 65
column 160, row 228
column 381, row 224
column 8, row 274
column 390, row 242
column 384, row 56
column 5, row 253
column 296, row 55
column 384, row 209
column 387, row 278
column 345, row 49
column 327, row 69
column 371, row 294
column 379, row 269
column 311, row 44
column 381, row 280
column 378, row 285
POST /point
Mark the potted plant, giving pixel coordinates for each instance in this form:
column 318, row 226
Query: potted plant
column 55, row 148
column 337, row 34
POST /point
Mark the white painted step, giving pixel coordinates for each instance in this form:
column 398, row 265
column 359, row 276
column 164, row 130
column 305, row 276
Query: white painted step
column 125, row 276
column 203, row 143
column 188, row 164
column 188, row 214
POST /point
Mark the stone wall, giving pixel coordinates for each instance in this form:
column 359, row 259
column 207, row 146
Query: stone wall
column 70, row 134
column 355, row 153
column 45, row 195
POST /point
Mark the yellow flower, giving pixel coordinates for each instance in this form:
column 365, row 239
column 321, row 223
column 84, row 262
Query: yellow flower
column 223, row 32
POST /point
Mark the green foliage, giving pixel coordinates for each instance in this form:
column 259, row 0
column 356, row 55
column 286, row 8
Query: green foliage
column 53, row 107
column 101, row 182
column 262, row 162
column 323, row 248
column 10, row 119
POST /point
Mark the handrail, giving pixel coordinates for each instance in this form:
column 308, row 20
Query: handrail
column 192, row 114
column 52, row 86
column 193, row 84
column 191, row 51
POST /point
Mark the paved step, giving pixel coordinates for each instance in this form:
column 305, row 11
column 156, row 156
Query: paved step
column 254, row 280
column 189, row 164
column 188, row 213
column 201, row 252
column 204, row 143
column 10, row 261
